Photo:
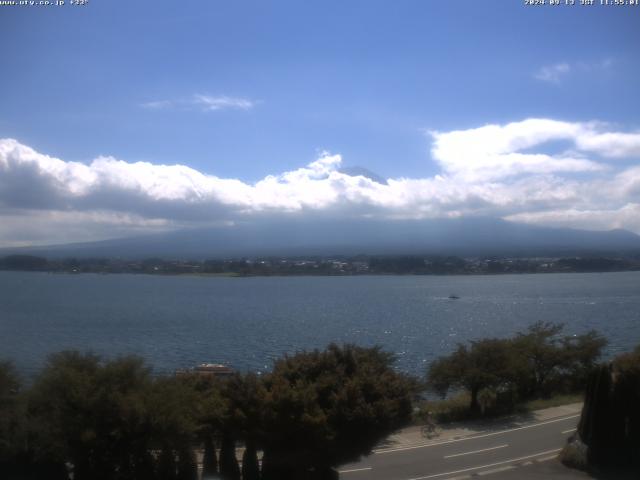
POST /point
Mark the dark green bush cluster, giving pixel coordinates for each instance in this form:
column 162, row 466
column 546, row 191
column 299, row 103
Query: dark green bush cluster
column 610, row 421
column 104, row 420
column 499, row 373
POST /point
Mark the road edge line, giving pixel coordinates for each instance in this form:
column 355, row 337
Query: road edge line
column 487, row 466
column 472, row 437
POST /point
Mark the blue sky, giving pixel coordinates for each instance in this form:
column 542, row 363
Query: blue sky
column 243, row 90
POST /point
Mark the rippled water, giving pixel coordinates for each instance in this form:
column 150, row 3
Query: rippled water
column 178, row 321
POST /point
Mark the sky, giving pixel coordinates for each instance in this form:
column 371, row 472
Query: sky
column 119, row 118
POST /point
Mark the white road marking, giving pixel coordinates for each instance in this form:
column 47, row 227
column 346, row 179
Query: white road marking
column 497, row 470
column 570, row 430
column 355, row 470
column 425, row 445
column 476, row 451
column 486, row 466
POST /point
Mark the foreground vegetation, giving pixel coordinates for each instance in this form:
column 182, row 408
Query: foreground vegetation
column 113, row 420
column 498, row 375
column 607, row 440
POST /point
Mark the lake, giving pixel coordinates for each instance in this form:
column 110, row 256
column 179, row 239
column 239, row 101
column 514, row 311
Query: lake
column 181, row 321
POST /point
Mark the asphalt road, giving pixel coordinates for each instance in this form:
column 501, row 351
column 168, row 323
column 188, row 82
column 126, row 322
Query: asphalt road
column 481, row 454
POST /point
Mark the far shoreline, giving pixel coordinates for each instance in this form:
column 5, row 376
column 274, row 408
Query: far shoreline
column 306, row 275
column 329, row 266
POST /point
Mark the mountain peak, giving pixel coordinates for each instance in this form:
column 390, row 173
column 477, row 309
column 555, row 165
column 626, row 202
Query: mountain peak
column 357, row 171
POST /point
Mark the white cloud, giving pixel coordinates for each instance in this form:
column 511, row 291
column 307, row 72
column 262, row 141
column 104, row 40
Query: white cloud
column 158, row 104
column 205, row 103
column 210, row 103
column 626, row 217
column 556, row 73
column 611, row 144
column 494, row 170
column 497, row 151
column 553, row 73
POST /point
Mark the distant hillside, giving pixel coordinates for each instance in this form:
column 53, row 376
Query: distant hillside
column 478, row 236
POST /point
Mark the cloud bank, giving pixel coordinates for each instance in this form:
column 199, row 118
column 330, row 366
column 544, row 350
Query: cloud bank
column 539, row 171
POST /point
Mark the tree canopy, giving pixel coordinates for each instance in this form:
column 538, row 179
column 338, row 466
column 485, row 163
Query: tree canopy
column 533, row 363
column 488, row 363
column 610, row 422
column 328, row 407
column 104, row 419
column 113, row 420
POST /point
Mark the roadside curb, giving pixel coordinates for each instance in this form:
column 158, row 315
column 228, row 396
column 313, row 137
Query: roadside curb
column 411, row 437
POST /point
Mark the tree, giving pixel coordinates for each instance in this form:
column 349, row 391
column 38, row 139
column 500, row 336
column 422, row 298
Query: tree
column 537, row 361
column 63, row 402
column 209, row 458
column 554, row 361
column 171, row 425
column 541, row 348
column 105, row 418
column 13, row 424
column 627, row 400
column 487, row 363
column 211, row 417
column 246, row 396
column 167, row 468
column 187, row 467
column 610, row 422
column 583, row 352
column 9, row 410
column 229, row 468
column 250, row 465
column 324, row 408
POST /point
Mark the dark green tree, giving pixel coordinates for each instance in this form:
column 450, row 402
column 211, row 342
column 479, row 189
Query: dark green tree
column 209, row 458
column 250, row 465
column 325, row 408
column 15, row 457
column 536, row 362
column 105, row 418
column 171, row 408
column 65, row 401
column 488, row 363
column 582, row 352
column 187, row 467
column 554, row 362
column 610, row 420
column 540, row 346
column 167, row 468
column 246, row 397
column 10, row 411
column 211, row 415
column 229, row 468
column 626, row 369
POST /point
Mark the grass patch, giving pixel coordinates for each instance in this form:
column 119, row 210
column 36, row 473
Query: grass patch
column 555, row 401
column 456, row 408
column 449, row 410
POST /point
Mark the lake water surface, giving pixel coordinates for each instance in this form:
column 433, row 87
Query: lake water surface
column 180, row 321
